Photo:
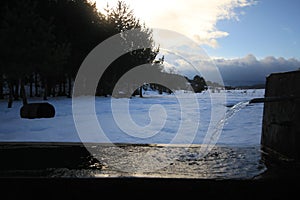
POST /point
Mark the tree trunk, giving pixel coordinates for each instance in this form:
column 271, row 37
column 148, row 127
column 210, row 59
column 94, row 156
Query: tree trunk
column 10, row 97
column 60, row 90
column 16, row 93
column 70, row 86
column 45, row 90
column 31, row 86
column 141, row 91
column 64, row 86
column 36, row 85
column 49, row 87
column 23, row 93
column 53, row 93
column 1, row 86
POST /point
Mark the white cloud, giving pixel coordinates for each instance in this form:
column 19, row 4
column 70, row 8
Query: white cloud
column 196, row 19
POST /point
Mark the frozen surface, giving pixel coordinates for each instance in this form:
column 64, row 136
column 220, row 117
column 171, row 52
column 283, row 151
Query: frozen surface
column 152, row 119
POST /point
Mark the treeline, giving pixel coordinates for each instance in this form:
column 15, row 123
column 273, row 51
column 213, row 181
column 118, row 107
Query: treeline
column 44, row 42
column 154, row 77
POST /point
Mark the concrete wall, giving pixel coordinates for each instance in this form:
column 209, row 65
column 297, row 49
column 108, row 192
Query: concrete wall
column 281, row 119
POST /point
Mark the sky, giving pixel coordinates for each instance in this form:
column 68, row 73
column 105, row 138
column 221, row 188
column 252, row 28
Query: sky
column 254, row 34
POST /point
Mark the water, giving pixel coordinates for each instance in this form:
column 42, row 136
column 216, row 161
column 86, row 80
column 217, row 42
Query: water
column 215, row 133
column 59, row 160
column 176, row 162
column 234, row 109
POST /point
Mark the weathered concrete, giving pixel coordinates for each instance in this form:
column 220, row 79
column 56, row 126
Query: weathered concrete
column 281, row 116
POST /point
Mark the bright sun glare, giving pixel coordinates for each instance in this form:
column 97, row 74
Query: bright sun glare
column 144, row 10
column 195, row 19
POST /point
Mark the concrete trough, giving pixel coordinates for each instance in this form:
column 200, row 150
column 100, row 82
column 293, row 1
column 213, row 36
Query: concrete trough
column 280, row 136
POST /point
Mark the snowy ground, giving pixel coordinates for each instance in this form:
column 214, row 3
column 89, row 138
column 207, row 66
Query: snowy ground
column 242, row 129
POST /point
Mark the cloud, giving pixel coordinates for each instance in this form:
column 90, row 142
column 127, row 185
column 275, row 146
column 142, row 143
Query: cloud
column 234, row 72
column 196, row 19
column 249, row 70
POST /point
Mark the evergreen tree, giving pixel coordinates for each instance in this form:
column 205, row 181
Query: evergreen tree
column 44, row 43
column 79, row 24
column 27, row 42
column 198, row 84
column 120, row 19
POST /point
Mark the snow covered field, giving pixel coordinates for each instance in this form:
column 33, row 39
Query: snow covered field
column 243, row 128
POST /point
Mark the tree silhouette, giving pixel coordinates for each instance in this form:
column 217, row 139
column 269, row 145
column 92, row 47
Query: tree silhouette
column 79, row 25
column 28, row 44
column 198, row 84
column 43, row 44
column 120, row 19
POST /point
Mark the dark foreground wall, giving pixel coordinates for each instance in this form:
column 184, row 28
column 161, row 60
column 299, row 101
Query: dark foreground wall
column 281, row 118
column 27, row 169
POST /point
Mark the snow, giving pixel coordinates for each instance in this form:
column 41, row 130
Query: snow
column 183, row 118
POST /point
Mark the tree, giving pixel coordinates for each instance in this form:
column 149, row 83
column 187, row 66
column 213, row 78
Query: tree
column 79, row 24
column 119, row 20
column 44, row 43
column 1, row 81
column 198, row 84
column 27, row 42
